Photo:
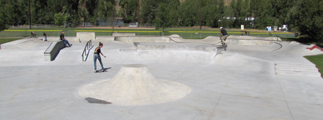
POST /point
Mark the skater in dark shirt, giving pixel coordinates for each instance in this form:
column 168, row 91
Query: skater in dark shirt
column 45, row 36
column 96, row 56
column 63, row 39
column 224, row 36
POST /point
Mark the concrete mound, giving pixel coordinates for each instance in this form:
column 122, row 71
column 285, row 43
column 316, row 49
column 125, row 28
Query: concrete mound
column 135, row 85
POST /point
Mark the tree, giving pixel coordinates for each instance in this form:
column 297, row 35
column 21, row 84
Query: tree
column 279, row 11
column 210, row 13
column 189, row 13
column 67, row 19
column 148, row 10
column 162, row 16
column 3, row 20
column 309, row 19
column 106, row 8
column 172, row 6
column 221, row 11
column 262, row 13
column 129, row 10
column 239, row 14
column 72, row 7
column 247, row 13
column 59, row 19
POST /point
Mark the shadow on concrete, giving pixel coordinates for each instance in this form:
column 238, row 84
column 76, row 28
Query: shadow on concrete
column 98, row 101
column 103, row 70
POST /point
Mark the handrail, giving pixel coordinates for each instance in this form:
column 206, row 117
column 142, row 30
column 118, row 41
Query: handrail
column 87, row 49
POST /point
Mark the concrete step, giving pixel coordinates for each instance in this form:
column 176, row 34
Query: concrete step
column 293, row 68
column 296, row 69
column 304, row 73
column 294, row 64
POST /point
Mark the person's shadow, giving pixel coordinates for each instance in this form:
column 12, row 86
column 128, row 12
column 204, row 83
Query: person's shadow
column 107, row 68
column 103, row 70
column 98, row 101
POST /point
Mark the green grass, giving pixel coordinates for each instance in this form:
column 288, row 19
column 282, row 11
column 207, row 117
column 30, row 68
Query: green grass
column 4, row 40
column 187, row 33
column 318, row 61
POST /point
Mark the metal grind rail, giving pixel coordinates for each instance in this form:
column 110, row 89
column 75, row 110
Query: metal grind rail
column 87, row 50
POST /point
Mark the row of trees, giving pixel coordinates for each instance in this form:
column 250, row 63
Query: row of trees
column 302, row 15
column 16, row 12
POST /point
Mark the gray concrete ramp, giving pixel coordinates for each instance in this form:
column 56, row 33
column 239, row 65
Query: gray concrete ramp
column 22, row 44
column 85, row 36
column 239, row 37
column 246, row 82
column 207, row 40
column 142, row 87
column 53, row 50
column 132, row 39
column 71, row 55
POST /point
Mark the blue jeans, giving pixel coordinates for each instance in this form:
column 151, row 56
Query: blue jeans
column 66, row 42
column 96, row 56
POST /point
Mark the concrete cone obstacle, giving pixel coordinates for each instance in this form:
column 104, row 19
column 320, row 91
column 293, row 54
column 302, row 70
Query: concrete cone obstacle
column 135, row 85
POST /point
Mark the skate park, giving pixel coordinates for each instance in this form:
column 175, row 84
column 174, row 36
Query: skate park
column 160, row 77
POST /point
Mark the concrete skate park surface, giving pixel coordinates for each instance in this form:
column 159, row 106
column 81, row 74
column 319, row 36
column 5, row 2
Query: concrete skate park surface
column 257, row 80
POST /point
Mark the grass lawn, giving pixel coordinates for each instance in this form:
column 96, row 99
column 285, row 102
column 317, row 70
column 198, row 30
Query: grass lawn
column 4, row 40
column 186, row 33
column 318, row 61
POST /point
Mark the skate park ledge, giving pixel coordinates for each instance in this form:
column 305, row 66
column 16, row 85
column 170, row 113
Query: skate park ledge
column 53, row 49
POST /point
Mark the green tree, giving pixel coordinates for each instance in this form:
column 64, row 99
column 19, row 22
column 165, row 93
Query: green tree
column 189, row 13
column 73, row 7
column 232, row 13
column 247, row 14
column 280, row 10
column 149, row 9
column 221, row 11
column 129, row 10
column 59, row 19
column 210, row 13
column 239, row 14
column 172, row 6
column 106, row 8
column 262, row 14
column 309, row 19
column 162, row 16
column 3, row 20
